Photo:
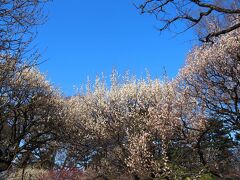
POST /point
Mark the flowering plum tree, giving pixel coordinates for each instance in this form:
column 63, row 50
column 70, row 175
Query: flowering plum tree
column 28, row 114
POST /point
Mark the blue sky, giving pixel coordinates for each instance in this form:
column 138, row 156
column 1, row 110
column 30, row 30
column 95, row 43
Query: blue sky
column 84, row 38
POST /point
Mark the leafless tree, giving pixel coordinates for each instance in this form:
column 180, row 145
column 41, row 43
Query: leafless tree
column 18, row 20
column 214, row 17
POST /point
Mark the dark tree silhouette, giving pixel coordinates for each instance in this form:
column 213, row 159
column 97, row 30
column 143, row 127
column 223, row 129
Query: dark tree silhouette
column 212, row 17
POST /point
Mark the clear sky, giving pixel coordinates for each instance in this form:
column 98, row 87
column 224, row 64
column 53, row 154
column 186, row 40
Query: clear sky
column 84, row 38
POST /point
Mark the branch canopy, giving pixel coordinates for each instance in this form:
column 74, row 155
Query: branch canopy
column 210, row 18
